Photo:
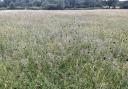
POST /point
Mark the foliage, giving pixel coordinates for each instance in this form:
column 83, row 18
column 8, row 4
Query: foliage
column 112, row 3
column 12, row 5
column 60, row 4
column 124, row 5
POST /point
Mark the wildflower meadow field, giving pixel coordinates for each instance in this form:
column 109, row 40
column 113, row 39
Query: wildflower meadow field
column 80, row 49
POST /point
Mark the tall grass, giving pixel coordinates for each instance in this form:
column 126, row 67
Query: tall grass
column 64, row 49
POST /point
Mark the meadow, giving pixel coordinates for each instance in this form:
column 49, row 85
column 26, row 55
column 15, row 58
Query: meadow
column 64, row 49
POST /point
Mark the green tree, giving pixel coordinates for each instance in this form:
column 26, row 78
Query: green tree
column 124, row 5
column 44, row 4
column 7, row 2
column 12, row 5
column 36, row 3
column 112, row 3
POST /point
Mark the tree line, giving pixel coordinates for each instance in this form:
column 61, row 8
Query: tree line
column 61, row 4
